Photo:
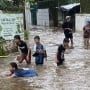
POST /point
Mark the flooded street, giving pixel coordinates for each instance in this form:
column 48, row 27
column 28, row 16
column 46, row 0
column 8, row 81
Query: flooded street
column 73, row 75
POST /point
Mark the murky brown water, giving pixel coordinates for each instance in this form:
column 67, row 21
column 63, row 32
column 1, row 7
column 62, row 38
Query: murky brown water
column 73, row 75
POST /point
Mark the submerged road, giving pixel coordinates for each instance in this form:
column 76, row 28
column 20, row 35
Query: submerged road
column 73, row 75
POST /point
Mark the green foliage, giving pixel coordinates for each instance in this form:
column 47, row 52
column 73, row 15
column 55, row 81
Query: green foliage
column 26, row 34
column 16, row 3
column 61, row 2
column 68, row 1
column 2, row 52
column 31, row 1
column 85, row 6
column 4, row 4
column 12, row 5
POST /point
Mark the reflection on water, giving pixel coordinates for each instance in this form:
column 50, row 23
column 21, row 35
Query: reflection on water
column 73, row 75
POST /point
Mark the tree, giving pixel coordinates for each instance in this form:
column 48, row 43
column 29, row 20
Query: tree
column 74, row 1
column 12, row 5
column 85, row 6
column 61, row 2
column 31, row 1
column 16, row 3
column 4, row 4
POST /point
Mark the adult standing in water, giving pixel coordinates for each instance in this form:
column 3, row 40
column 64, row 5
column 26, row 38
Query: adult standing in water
column 86, row 34
column 68, row 29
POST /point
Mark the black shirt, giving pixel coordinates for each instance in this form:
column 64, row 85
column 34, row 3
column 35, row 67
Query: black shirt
column 23, row 47
column 67, row 25
column 61, row 49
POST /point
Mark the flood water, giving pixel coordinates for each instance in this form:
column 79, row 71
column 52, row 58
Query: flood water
column 73, row 75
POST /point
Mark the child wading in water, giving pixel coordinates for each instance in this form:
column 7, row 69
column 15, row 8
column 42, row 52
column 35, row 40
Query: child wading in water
column 25, row 51
column 40, row 52
column 16, row 72
column 60, row 53
column 86, row 34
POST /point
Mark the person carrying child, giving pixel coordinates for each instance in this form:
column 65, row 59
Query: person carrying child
column 40, row 52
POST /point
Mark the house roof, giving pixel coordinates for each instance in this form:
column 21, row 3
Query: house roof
column 69, row 6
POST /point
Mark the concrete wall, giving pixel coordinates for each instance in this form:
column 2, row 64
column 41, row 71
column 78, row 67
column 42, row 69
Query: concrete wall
column 81, row 20
column 43, row 17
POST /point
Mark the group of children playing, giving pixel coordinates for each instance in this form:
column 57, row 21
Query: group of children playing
column 39, row 51
column 40, row 55
column 25, row 54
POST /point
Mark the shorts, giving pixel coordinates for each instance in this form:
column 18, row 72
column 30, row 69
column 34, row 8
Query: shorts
column 60, row 62
column 68, row 35
column 39, row 60
column 86, row 36
column 23, row 56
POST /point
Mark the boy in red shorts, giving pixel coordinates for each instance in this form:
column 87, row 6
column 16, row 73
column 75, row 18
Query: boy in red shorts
column 25, row 51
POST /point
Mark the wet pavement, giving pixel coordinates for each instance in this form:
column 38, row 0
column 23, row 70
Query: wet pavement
column 73, row 75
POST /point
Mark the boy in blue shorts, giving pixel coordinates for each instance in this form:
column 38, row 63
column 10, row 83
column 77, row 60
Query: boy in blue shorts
column 40, row 52
column 16, row 72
